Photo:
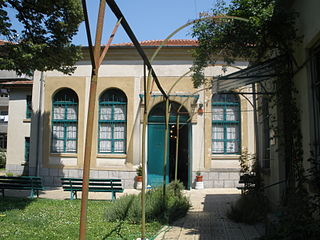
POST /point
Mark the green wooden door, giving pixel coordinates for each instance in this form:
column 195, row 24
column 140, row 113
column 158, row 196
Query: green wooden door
column 156, row 134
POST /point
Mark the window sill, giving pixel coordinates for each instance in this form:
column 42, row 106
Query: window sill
column 111, row 155
column 27, row 120
column 225, row 156
column 71, row 155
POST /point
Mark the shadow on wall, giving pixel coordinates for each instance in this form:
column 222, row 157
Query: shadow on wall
column 65, row 136
column 130, row 142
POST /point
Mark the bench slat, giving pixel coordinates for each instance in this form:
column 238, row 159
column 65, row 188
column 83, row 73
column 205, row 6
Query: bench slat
column 21, row 183
column 92, row 179
column 95, row 185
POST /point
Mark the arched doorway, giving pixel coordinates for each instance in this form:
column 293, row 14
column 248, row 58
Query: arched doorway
column 156, row 134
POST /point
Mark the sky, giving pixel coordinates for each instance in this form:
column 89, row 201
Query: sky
column 149, row 19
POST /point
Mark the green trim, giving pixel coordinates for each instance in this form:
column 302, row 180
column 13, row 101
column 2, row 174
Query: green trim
column 172, row 120
column 64, row 123
column 112, row 123
column 225, row 124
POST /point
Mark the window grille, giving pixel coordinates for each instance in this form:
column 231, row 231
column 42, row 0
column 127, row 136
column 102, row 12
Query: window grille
column 3, row 141
column 64, row 122
column 225, row 124
column 28, row 107
column 26, row 149
column 112, row 122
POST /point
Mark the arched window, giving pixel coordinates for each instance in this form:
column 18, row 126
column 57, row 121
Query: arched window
column 64, row 122
column 225, row 124
column 112, row 122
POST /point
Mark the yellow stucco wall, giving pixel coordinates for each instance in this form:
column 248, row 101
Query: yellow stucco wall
column 52, row 86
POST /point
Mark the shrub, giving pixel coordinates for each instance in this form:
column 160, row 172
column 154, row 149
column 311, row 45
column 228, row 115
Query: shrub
column 3, row 158
column 139, row 171
column 249, row 208
column 128, row 208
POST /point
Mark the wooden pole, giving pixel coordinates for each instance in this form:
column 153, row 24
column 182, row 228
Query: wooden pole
column 90, row 119
column 143, row 160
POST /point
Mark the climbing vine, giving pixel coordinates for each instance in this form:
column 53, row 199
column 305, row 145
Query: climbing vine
column 270, row 32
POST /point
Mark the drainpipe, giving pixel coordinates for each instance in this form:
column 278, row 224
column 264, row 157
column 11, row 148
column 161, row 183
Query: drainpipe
column 37, row 171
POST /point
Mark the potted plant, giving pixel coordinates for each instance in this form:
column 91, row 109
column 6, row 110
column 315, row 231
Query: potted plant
column 199, row 180
column 139, row 177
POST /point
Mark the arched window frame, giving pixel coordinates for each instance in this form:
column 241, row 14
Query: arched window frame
column 112, row 129
column 64, row 134
column 226, row 124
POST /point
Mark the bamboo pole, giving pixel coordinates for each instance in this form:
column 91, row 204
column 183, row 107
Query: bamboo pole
column 90, row 118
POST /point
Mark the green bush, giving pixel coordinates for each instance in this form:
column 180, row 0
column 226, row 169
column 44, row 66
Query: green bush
column 250, row 208
column 3, row 158
column 128, row 208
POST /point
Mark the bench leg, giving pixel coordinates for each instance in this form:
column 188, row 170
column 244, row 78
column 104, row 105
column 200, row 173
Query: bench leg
column 2, row 193
column 31, row 194
column 71, row 195
column 113, row 196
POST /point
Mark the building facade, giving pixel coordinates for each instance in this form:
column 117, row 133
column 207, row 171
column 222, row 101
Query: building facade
column 306, row 81
column 213, row 129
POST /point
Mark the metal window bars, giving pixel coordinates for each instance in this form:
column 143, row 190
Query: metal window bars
column 64, row 125
column 225, row 124
column 112, row 124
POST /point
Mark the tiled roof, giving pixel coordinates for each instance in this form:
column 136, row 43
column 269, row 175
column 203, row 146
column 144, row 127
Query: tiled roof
column 2, row 42
column 17, row 83
column 171, row 42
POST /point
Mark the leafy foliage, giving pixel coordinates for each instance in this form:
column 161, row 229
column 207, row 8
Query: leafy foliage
column 3, row 158
column 296, row 220
column 139, row 171
column 128, row 207
column 268, row 32
column 246, row 161
column 250, row 208
column 44, row 41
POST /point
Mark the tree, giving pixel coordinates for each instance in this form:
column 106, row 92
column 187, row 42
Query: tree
column 43, row 39
column 269, row 32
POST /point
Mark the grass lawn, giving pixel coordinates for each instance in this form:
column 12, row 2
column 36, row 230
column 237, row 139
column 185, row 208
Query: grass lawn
column 22, row 218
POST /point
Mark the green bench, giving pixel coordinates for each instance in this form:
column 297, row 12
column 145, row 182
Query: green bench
column 32, row 183
column 95, row 185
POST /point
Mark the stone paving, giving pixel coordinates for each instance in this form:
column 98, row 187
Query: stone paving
column 207, row 219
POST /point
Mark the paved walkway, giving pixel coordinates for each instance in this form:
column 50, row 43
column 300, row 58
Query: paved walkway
column 207, row 219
